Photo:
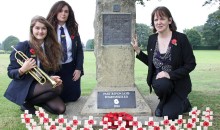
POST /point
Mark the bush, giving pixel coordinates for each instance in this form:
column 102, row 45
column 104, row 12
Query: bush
column 205, row 48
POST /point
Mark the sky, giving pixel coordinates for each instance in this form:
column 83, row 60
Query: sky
column 17, row 14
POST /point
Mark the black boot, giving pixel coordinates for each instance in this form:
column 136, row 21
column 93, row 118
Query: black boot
column 158, row 111
column 26, row 106
column 187, row 106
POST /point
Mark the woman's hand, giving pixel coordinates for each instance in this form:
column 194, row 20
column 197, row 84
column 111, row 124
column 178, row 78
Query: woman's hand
column 134, row 43
column 57, row 80
column 76, row 75
column 163, row 74
column 29, row 64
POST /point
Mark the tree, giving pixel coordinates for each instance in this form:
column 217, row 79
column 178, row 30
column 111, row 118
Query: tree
column 199, row 29
column 143, row 32
column 193, row 36
column 8, row 42
column 210, row 2
column 90, row 44
column 211, row 31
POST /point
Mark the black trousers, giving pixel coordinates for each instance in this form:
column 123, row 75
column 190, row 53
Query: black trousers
column 71, row 89
column 170, row 103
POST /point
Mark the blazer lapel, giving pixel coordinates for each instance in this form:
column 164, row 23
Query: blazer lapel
column 174, row 50
column 152, row 47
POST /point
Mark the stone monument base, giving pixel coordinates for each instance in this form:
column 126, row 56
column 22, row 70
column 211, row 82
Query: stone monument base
column 90, row 107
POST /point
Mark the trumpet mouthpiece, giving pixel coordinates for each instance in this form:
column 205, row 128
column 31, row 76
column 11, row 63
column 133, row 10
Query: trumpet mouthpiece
column 13, row 48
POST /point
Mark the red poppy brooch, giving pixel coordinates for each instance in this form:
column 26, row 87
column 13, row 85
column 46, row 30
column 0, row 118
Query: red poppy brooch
column 32, row 51
column 174, row 42
column 72, row 36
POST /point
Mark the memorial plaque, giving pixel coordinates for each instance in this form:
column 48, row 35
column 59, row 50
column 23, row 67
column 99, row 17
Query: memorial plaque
column 116, row 99
column 116, row 29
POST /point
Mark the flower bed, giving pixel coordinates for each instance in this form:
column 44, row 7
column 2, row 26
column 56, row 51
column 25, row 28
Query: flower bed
column 119, row 121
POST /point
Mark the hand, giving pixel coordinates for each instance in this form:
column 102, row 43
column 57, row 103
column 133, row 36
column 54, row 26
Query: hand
column 163, row 74
column 135, row 44
column 57, row 80
column 76, row 75
column 29, row 64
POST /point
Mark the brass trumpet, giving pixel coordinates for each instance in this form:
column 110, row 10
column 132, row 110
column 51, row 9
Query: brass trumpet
column 36, row 72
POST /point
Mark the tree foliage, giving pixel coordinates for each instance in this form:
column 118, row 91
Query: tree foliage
column 1, row 46
column 8, row 42
column 193, row 36
column 210, row 2
column 143, row 32
column 211, row 30
column 90, row 44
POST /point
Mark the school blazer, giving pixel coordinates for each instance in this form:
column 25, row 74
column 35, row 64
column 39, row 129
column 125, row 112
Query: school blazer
column 182, row 62
column 19, row 86
column 77, row 52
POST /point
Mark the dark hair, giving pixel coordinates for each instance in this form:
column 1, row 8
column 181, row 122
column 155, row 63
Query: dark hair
column 51, row 59
column 71, row 23
column 163, row 11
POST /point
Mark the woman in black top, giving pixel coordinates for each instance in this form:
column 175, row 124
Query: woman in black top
column 170, row 59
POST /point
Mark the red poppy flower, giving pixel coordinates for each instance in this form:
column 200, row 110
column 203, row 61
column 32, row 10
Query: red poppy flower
column 32, row 51
column 75, row 122
column 139, row 128
column 208, row 117
column 194, row 112
column 122, row 128
column 25, row 115
column 135, row 123
column 91, row 122
column 150, row 123
column 27, row 120
column 193, row 120
column 119, row 122
column 72, row 36
column 41, row 114
column 61, row 120
column 172, row 127
column 206, row 123
column 52, row 127
column 156, row 128
column 174, row 42
column 180, row 121
column 166, row 122
column 46, row 120
column 68, row 128
column 189, row 125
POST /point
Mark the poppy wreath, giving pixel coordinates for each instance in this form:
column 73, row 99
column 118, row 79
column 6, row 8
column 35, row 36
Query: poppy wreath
column 113, row 117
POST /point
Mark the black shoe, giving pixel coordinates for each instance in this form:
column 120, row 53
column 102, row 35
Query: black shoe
column 31, row 109
column 187, row 106
column 158, row 113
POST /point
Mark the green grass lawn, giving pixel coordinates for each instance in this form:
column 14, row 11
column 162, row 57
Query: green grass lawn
column 205, row 80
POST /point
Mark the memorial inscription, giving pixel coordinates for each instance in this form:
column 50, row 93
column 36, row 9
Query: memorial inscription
column 116, row 99
column 116, row 29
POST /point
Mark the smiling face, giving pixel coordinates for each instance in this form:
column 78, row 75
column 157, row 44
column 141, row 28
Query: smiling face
column 63, row 15
column 161, row 22
column 39, row 31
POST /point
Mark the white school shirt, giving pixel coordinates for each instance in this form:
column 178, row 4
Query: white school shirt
column 38, row 60
column 68, row 42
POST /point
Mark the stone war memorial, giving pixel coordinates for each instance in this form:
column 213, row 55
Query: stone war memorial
column 116, row 91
